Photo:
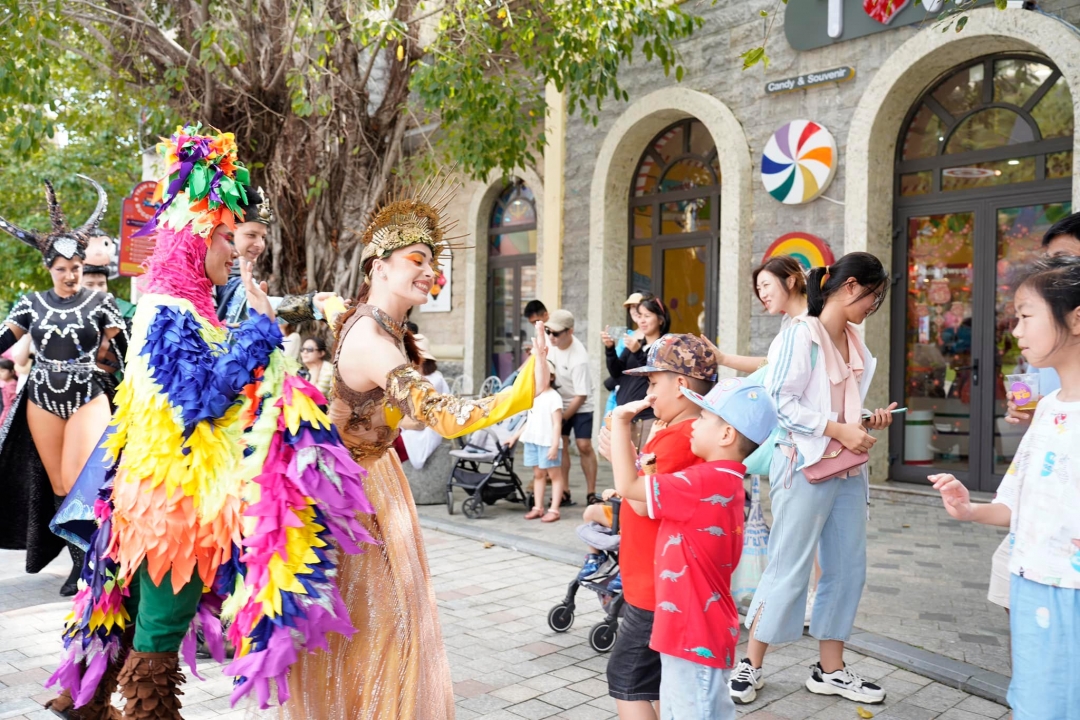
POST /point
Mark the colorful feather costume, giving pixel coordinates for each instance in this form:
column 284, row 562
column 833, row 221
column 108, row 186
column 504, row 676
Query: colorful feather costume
column 220, row 469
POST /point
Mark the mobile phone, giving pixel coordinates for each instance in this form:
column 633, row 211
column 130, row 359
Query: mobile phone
column 868, row 414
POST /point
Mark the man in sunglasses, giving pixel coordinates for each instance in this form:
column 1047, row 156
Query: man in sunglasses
column 574, row 380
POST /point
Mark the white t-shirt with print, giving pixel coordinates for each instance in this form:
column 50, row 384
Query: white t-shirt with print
column 572, row 374
column 538, row 424
column 1042, row 488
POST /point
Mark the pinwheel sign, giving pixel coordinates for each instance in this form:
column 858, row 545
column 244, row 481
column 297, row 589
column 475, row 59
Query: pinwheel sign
column 799, row 162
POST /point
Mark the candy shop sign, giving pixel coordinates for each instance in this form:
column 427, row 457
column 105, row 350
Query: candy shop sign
column 809, row 80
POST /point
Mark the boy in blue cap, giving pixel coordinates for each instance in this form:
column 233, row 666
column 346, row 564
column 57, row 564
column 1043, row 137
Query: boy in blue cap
column 696, row 627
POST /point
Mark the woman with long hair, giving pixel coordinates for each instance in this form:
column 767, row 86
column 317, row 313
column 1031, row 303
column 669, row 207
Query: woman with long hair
column 395, row 666
column 64, row 407
column 819, row 372
column 653, row 322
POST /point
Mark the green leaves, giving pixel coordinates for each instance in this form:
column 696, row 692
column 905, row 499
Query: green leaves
column 485, row 78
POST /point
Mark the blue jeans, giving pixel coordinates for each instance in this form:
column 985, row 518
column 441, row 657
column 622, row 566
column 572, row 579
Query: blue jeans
column 690, row 691
column 1045, row 624
column 830, row 516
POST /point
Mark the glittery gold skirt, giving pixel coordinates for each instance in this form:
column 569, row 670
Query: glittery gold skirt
column 395, row 666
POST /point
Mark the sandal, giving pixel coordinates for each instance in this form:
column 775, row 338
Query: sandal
column 550, row 516
column 536, row 512
column 592, row 499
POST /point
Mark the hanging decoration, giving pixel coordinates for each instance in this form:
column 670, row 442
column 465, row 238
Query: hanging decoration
column 810, row 250
column 799, row 162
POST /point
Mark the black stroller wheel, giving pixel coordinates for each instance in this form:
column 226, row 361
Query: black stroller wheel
column 473, row 507
column 602, row 636
column 560, row 618
column 450, row 500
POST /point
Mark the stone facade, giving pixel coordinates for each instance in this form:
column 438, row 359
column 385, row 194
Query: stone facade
column 864, row 114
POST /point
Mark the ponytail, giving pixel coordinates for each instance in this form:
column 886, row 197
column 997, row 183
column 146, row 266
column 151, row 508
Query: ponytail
column 816, row 280
column 864, row 268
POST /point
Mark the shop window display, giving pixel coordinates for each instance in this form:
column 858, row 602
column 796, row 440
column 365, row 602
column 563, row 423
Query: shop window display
column 983, row 168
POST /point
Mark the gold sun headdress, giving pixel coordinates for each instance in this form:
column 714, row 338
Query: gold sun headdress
column 409, row 218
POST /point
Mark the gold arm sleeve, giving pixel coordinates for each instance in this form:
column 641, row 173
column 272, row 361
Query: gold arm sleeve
column 408, row 393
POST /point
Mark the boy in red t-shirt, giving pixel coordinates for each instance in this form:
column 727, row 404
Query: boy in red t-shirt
column 696, row 627
column 674, row 363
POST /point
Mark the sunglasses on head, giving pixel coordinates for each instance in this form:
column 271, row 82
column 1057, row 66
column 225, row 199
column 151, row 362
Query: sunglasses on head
column 554, row 333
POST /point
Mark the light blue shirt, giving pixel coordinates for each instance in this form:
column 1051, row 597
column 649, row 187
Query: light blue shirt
column 1048, row 381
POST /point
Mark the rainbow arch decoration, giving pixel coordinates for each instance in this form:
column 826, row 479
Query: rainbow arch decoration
column 810, row 250
column 799, row 162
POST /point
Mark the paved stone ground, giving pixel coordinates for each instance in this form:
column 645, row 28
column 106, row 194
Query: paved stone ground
column 927, row 574
column 506, row 663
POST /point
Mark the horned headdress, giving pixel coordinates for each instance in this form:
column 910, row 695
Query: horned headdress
column 62, row 240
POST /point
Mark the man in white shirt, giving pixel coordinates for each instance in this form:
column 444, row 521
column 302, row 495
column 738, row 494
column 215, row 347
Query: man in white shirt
column 573, row 376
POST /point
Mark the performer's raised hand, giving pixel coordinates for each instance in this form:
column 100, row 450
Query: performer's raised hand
column 257, row 299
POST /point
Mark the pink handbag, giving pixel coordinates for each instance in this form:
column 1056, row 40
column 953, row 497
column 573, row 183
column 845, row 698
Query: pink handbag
column 837, row 460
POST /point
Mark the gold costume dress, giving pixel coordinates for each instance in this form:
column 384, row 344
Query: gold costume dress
column 395, row 666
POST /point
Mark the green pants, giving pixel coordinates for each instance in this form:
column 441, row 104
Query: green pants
column 161, row 617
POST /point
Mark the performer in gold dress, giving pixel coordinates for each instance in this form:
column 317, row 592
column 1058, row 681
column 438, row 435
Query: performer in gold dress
column 395, row 666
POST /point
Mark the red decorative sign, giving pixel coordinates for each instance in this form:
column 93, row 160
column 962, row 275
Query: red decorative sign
column 138, row 209
column 884, row 10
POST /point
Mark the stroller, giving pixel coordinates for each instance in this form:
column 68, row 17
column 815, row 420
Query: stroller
column 561, row 617
column 484, row 468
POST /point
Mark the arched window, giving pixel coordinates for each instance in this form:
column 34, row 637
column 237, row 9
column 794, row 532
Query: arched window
column 983, row 168
column 674, row 225
column 997, row 121
column 511, row 276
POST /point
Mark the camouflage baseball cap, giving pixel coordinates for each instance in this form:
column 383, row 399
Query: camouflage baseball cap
column 683, row 354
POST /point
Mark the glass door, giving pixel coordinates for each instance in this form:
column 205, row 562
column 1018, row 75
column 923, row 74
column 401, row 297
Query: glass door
column 511, row 284
column 952, row 340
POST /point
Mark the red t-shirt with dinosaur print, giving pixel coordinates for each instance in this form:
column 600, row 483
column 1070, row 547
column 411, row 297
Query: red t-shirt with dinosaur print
column 698, row 545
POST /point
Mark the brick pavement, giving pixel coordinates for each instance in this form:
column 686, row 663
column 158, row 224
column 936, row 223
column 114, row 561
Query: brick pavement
column 506, row 663
column 927, row 574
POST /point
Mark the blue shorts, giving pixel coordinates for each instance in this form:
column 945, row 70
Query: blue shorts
column 691, row 691
column 1045, row 625
column 537, row 456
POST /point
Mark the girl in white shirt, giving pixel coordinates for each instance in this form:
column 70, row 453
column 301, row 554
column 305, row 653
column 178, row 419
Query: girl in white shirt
column 542, row 435
column 819, row 372
column 1039, row 501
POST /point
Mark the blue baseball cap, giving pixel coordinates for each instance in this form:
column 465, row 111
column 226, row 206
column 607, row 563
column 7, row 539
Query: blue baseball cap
column 744, row 405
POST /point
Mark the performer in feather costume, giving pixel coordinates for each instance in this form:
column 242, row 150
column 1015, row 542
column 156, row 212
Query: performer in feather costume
column 224, row 488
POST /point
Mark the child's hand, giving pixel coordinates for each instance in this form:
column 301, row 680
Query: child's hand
column 553, row 454
column 627, row 412
column 603, row 443
column 956, row 497
column 608, row 494
column 1015, row 416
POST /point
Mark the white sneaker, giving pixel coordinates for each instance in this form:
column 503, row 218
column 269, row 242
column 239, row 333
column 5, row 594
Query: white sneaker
column 746, row 680
column 809, row 606
column 844, row 683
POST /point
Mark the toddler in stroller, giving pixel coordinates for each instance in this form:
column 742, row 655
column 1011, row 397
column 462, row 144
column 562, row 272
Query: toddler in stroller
column 599, row 574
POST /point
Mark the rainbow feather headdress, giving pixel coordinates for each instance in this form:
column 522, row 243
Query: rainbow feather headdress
column 205, row 185
column 408, row 219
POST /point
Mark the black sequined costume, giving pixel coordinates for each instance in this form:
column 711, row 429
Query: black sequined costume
column 68, row 333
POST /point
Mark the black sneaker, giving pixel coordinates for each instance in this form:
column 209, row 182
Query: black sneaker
column 844, row 683
column 746, row 680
